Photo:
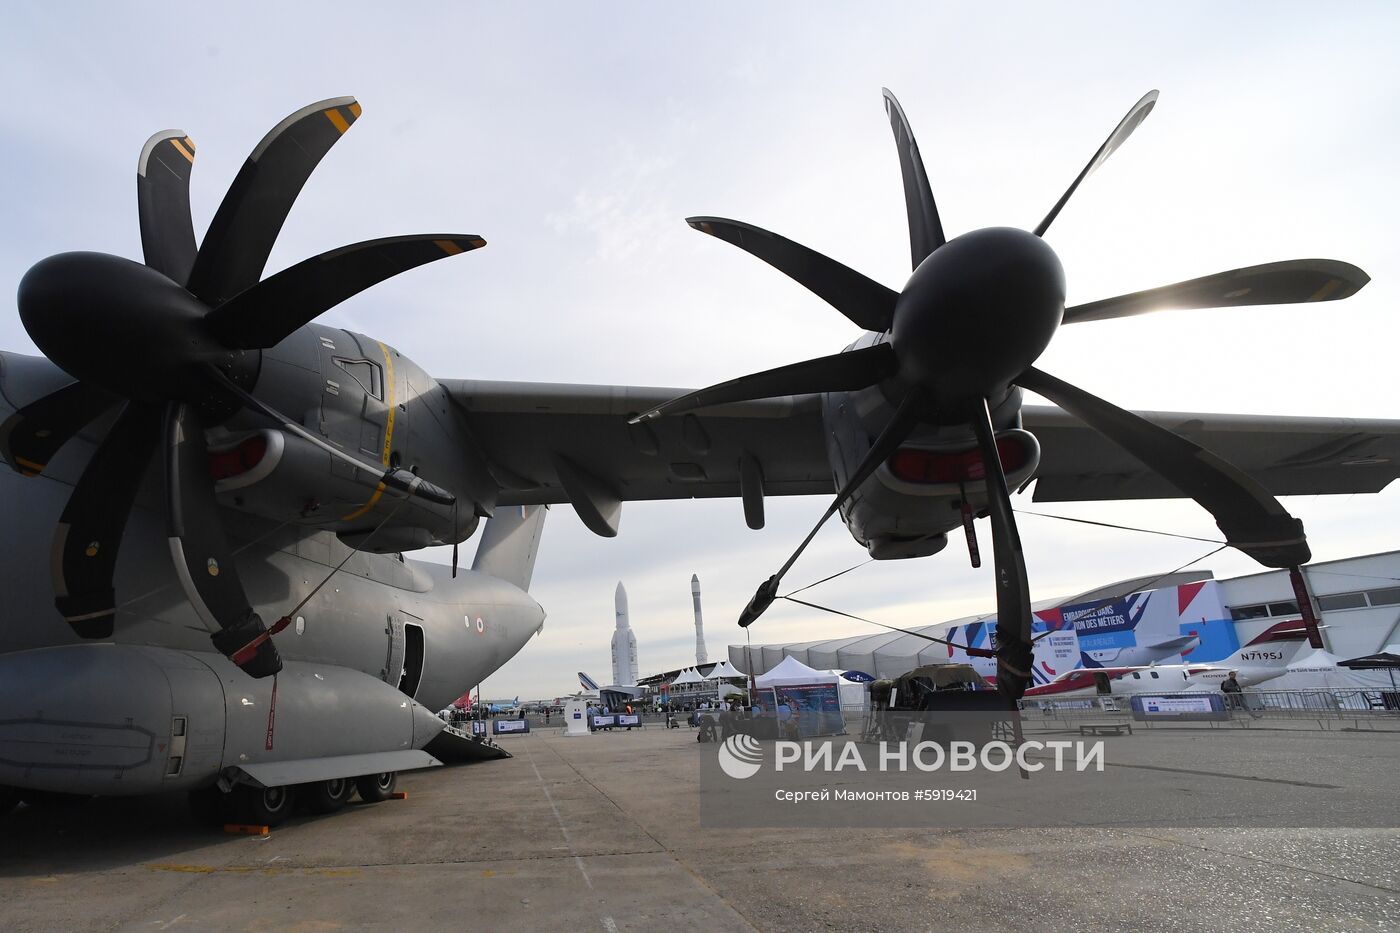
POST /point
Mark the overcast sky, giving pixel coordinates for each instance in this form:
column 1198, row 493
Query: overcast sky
column 576, row 137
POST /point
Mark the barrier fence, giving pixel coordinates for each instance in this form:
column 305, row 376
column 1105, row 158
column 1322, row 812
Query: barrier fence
column 1361, row 708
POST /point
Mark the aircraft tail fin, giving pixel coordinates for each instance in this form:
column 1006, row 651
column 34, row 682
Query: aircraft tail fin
column 510, row 543
column 1276, row 646
column 586, row 682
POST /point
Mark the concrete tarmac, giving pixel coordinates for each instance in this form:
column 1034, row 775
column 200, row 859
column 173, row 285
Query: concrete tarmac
column 602, row 833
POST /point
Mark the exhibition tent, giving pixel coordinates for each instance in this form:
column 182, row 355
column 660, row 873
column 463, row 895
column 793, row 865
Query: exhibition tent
column 793, row 673
column 1321, row 670
column 854, row 694
column 725, row 670
column 814, row 697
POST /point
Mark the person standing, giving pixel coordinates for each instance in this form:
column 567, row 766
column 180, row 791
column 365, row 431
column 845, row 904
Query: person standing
column 1234, row 693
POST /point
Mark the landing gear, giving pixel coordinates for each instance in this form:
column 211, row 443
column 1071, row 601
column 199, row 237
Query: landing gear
column 327, row 796
column 262, row 806
column 376, row 787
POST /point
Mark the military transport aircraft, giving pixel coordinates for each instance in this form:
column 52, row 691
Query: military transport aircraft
column 298, row 462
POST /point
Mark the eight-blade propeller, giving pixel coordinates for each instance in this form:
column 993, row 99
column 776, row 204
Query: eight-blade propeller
column 966, row 330
column 176, row 343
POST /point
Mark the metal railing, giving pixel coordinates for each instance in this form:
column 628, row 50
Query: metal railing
column 1368, row 707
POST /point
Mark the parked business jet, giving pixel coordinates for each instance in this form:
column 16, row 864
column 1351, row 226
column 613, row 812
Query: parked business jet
column 1265, row 657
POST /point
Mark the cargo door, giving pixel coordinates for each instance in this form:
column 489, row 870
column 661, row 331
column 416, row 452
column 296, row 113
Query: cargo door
column 393, row 661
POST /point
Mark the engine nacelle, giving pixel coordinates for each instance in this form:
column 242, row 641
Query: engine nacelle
column 285, row 478
column 915, row 498
column 127, row 719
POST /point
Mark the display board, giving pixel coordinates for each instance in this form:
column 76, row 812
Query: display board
column 815, row 707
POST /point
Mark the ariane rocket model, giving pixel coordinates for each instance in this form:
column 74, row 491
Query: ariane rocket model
column 624, row 644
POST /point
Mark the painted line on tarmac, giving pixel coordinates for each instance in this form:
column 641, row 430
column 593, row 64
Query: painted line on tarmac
column 559, row 819
column 609, row 924
column 661, row 847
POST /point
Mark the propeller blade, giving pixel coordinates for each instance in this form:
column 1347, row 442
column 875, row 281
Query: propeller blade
column 925, row 229
column 240, row 238
column 900, row 424
column 1015, row 650
column 1274, row 283
column 89, row 533
column 1251, row 519
column 204, row 561
column 266, row 313
column 848, row 371
column 163, row 200
column 867, row 303
column 31, row 436
column 1120, row 135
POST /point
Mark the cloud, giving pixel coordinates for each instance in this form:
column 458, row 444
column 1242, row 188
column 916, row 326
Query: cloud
column 576, row 143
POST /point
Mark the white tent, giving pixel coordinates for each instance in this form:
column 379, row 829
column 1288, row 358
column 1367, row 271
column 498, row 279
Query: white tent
column 687, row 676
column 725, row 670
column 854, row 696
column 1319, row 671
column 793, row 673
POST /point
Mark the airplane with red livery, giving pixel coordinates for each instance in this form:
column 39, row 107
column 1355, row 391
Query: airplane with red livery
column 1265, row 657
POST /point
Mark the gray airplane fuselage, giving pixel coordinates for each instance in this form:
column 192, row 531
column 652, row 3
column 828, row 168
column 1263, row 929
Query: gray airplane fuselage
column 370, row 655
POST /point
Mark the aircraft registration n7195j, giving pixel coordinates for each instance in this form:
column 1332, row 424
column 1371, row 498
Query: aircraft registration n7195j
column 230, row 487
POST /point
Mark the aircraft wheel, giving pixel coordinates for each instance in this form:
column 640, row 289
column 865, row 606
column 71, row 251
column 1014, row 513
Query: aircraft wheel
column 212, row 806
column 9, row 799
column 327, row 796
column 263, row 806
column 376, row 787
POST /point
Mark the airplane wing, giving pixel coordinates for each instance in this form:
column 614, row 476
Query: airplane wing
column 1289, row 456
column 537, row 434
column 540, row 436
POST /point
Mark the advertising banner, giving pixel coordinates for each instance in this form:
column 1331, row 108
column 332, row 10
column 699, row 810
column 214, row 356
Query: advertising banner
column 1169, row 625
column 510, row 726
column 1189, row 707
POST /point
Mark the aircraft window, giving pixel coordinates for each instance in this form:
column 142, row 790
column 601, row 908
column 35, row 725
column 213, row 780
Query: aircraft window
column 1137, row 676
column 1248, row 612
column 1386, row 597
column 367, row 374
column 1342, row 601
column 1283, row 609
column 1155, row 675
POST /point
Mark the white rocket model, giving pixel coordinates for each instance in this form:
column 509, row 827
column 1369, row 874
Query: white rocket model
column 624, row 644
column 701, row 656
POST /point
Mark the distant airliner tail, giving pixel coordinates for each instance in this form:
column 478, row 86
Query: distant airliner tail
column 586, row 682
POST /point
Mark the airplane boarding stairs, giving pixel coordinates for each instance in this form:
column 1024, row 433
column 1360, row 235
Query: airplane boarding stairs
column 455, row 746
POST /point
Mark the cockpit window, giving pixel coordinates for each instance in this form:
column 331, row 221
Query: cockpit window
column 366, row 373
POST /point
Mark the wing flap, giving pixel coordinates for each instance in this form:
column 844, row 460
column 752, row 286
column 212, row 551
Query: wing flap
column 1289, row 456
column 528, row 429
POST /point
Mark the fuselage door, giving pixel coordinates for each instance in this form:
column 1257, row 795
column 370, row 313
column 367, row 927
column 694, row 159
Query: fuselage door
column 415, row 647
column 393, row 662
